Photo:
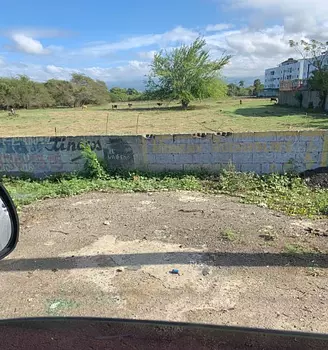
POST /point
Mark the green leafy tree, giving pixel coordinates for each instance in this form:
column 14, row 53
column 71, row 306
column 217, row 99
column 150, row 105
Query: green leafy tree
column 61, row 91
column 316, row 53
column 251, row 90
column 299, row 98
column 217, row 88
column 120, row 95
column 258, row 87
column 236, row 90
column 5, row 91
column 131, row 91
column 24, row 88
column 88, row 91
column 241, row 83
column 40, row 96
column 233, row 90
column 185, row 73
column 319, row 82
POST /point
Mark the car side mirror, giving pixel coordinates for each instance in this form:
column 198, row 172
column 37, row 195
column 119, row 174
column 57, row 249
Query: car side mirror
column 9, row 224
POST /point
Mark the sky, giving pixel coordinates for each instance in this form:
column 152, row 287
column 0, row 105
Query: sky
column 115, row 41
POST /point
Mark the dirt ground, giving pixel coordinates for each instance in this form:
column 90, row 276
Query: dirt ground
column 110, row 255
column 317, row 178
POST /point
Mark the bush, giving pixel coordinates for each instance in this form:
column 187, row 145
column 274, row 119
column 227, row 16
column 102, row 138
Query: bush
column 92, row 167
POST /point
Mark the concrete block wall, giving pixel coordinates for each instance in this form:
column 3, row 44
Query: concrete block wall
column 288, row 98
column 261, row 152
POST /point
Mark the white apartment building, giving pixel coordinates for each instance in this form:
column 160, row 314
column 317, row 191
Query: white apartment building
column 287, row 70
column 290, row 70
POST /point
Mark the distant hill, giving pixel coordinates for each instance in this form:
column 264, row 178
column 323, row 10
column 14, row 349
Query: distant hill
column 248, row 80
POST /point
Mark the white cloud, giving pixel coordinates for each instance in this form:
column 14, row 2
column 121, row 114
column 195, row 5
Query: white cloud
column 147, row 55
column 298, row 16
column 317, row 7
column 28, row 45
column 177, row 35
column 26, row 40
column 131, row 70
column 53, row 69
column 266, row 43
column 218, row 27
column 36, row 32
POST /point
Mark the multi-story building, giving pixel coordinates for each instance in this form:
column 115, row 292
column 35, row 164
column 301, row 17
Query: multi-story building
column 290, row 74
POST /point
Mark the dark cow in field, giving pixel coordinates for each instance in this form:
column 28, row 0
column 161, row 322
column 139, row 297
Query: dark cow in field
column 159, row 104
column 114, row 106
column 130, row 105
column 274, row 99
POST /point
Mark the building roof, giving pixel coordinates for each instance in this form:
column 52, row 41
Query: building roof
column 289, row 61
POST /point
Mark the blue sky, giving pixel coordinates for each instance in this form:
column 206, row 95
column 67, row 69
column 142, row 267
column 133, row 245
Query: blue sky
column 115, row 41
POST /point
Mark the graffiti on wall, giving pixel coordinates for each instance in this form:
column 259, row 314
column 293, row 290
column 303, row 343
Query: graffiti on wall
column 18, row 156
column 30, row 162
column 59, row 144
column 52, row 154
column 12, row 146
column 118, row 154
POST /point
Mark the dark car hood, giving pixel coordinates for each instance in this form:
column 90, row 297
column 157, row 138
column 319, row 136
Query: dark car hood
column 93, row 333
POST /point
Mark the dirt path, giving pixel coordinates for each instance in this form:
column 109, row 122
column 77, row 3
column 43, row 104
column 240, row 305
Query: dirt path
column 110, row 255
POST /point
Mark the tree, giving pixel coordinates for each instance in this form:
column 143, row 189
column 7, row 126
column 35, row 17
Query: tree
column 40, row 96
column 233, row 90
column 21, row 92
column 24, row 88
column 299, row 98
column 241, row 83
column 88, row 91
column 185, row 73
column 258, row 87
column 316, row 53
column 118, row 94
column 132, row 91
column 61, row 91
column 5, row 90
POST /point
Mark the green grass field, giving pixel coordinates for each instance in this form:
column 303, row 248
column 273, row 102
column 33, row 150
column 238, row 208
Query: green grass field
column 148, row 118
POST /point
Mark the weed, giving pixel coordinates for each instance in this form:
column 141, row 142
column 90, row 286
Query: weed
column 287, row 193
column 229, row 235
column 92, row 167
column 295, row 249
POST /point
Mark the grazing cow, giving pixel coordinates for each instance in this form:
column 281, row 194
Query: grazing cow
column 274, row 99
column 159, row 104
column 114, row 106
column 130, row 105
column 84, row 107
